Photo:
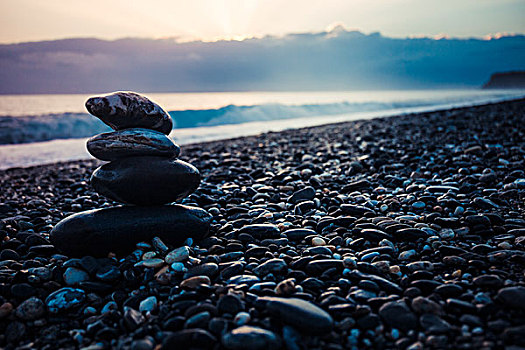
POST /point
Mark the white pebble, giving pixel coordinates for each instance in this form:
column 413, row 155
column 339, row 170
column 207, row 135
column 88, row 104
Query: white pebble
column 179, row 254
column 241, row 318
column 148, row 304
column 318, row 241
column 178, row 267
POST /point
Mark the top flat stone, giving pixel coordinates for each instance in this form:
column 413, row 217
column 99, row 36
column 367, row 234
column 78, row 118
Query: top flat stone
column 125, row 109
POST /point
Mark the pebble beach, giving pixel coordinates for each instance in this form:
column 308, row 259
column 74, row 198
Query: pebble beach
column 404, row 232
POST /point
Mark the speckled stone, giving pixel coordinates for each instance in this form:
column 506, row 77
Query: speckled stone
column 65, row 299
column 131, row 143
column 124, row 110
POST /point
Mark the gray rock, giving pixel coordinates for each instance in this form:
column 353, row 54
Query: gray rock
column 189, row 339
column 421, row 265
column 397, row 315
column 248, row 337
column 298, row 234
column 304, row 194
column 124, row 110
column 146, row 180
column 422, row 305
column 30, row 309
column 148, row 304
column 132, row 318
column 271, row 266
column 178, row 254
column 132, row 143
column 199, row 320
column 243, row 279
column 73, row 276
column 15, row 331
column 434, row 324
column 230, row 304
column 261, row 231
column 118, row 229
column 108, row 273
column 442, row 189
column 299, row 313
column 512, row 297
column 489, row 281
column 143, row 344
column 207, row 269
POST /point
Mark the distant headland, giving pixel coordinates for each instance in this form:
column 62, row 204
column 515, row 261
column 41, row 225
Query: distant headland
column 506, row 80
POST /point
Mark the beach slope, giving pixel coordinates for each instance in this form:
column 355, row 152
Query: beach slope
column 391, row 232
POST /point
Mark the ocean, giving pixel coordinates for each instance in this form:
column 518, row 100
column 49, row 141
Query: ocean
column 39, row 129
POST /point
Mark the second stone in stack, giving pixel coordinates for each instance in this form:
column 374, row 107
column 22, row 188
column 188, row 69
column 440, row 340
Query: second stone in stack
column 143, row 171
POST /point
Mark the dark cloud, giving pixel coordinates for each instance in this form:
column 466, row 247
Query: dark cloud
column 314, row 61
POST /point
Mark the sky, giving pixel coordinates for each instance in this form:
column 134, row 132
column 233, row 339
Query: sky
column 209, row 20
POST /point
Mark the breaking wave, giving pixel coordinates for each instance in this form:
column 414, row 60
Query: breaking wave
column 25, row 129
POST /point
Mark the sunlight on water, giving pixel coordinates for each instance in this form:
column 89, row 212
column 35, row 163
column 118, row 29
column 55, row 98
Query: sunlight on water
column 72, row 149
column 18, row 105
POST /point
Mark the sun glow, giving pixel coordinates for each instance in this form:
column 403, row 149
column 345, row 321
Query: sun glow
column 214, row 20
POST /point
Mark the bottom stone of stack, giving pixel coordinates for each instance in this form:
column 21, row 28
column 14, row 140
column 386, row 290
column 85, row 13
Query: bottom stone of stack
column 118, row 229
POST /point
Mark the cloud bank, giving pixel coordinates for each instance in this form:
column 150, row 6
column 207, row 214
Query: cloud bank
column 332, row 60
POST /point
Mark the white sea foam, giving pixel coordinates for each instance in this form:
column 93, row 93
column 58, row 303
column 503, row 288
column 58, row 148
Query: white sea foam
column 18, row 128
column 71, row 149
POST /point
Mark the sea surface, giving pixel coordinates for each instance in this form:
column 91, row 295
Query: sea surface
column 39, row 129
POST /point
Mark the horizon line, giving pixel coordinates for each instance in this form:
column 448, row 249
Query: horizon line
column 335, row 31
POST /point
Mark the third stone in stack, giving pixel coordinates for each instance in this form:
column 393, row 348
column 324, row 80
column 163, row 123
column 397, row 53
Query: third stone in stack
column 143, row 171
column 143, row 168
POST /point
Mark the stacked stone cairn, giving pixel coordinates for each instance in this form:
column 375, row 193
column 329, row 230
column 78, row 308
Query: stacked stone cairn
column 144, row 173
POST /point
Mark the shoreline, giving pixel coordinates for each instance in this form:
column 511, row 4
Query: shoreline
column 38, row 153
column 394, row 232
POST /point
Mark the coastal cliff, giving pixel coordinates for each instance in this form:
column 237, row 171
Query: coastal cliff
column 506, row 80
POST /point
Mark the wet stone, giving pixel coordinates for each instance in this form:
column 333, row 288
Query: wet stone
column 149, row 304
column 189, row 338
column 305, row 194
column 434, row 324
column 178, row 254
column 207, row 269
column 194, row 282
column 490, row 281
column 199, row 320
column 30, row 309
column 146, row 180
column 100, row 231
column 244, row 279
column 299, row 313
column 261, row 231
column 230, row 304
column 73, row 276
column 132, row 143
column 65, row 299
column 275, row 266
column 512, row 297
column 249, row 337
column 108, row 273
column 298, row 234
column 410, row 234
column 396, row 314
column 5, row 309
